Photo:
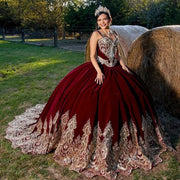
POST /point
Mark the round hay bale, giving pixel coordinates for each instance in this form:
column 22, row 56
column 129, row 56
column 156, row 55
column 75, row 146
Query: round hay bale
column 155, row 56
column 127, row 34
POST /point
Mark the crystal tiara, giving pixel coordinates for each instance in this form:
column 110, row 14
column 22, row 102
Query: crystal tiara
column 102, row 9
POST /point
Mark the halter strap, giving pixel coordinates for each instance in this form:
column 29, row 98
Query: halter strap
column 100, row 33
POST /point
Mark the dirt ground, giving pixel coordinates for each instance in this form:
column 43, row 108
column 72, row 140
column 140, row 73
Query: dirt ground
column 73, row 45
column 67, row 44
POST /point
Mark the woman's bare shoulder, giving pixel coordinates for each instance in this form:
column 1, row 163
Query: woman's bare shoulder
column 95, row 35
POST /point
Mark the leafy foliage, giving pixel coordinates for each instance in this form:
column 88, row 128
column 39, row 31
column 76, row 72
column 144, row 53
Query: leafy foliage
column 118, row 9
column 6, row 14
column 78, row 15
column 80, row 18
column 154, row 13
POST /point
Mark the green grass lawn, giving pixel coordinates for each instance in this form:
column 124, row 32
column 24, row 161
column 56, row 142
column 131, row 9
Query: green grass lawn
column 28, row 75
column 43, row 41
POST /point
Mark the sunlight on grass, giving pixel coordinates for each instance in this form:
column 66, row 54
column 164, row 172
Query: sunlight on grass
column 34, row 40
column 4, row 42
column 11, row 70
column 13, row 36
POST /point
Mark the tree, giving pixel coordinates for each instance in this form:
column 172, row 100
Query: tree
column 6, row 15
column 12, row 14
column 172, row 12
column 18, row 11
column 80, row 18
column 77, row 16
column 154, row 13
column 36, row 14
column 46, row 14
column 118, row 9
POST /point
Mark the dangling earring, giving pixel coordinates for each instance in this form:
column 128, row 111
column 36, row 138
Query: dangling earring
column 110, row 23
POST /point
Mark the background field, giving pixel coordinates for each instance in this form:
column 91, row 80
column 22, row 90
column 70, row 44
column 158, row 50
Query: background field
column 28, row 75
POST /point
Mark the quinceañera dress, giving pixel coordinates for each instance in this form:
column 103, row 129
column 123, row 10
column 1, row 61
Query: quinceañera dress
column 95, row 129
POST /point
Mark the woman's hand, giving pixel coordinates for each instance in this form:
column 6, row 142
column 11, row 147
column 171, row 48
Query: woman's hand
column 99, row 78
column 126, row 69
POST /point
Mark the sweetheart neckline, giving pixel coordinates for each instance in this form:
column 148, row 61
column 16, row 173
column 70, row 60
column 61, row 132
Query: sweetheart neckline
column 108, row 38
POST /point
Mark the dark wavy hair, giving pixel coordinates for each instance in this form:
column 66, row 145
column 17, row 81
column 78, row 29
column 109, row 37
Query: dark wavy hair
column 102, row 13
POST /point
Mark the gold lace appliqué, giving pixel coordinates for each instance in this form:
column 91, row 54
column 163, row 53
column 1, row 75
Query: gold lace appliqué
column 96, row 156
column 109, row 49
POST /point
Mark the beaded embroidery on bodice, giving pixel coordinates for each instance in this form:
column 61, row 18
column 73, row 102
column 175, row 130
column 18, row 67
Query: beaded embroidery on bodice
column 109, row 49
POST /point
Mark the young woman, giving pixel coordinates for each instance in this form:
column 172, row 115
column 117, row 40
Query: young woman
column 99, row 120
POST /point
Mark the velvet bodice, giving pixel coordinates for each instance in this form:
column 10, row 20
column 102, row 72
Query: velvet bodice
column 107, row 51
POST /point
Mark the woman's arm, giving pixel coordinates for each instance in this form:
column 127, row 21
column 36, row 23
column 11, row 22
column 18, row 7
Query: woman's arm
column 93, row 46
column 124, row 66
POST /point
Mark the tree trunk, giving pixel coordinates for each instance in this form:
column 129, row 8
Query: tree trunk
column 23, row 35
column 3, row 33
column 64, row 33
column 55, row 37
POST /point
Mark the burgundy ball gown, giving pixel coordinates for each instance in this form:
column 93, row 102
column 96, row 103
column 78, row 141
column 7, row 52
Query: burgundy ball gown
column 95, row 129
